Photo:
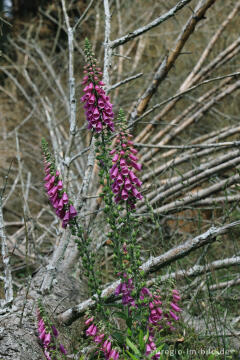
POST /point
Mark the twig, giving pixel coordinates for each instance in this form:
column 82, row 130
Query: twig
column 8, row 288
column 125, row 81
column 83, row 15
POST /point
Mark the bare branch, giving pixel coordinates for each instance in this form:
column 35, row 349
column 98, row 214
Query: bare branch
column 8, row 288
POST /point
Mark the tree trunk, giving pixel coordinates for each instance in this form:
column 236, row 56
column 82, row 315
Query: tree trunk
column 20, row 341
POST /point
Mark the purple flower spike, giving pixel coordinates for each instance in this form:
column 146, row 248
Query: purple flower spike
column 122, row 174
column 98, row 109
column 60, row 202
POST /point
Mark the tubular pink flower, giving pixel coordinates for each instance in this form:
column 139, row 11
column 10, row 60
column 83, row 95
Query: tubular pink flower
column 92, row 330
column 124, row 194
column 173, row 315
column 89, row 321
column 127, row 184
column 175, row 307
column 176, row 298
column 115, row 158
column 99, row 338
column 47, row 339
column 65, row 198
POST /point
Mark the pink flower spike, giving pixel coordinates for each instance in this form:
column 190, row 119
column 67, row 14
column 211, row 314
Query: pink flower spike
column 57, row 173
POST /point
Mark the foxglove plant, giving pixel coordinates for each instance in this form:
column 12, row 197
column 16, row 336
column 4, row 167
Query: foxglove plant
column 121, row 189
column 98, row 108
column 124, row 160
column 48, row 335
column 54, row 188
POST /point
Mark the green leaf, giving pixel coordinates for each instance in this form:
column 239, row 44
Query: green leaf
column 133, row 347
column 129, row 331
column 132, row 356
column 140, row 340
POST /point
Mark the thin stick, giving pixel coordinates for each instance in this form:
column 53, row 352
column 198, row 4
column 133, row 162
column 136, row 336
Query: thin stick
column 8, row 288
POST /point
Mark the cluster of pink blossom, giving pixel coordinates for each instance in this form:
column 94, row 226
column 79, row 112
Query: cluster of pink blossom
column 57, row 197
column 99, row 338
column 48, row 338
column 98, row 109
column 124, row 161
